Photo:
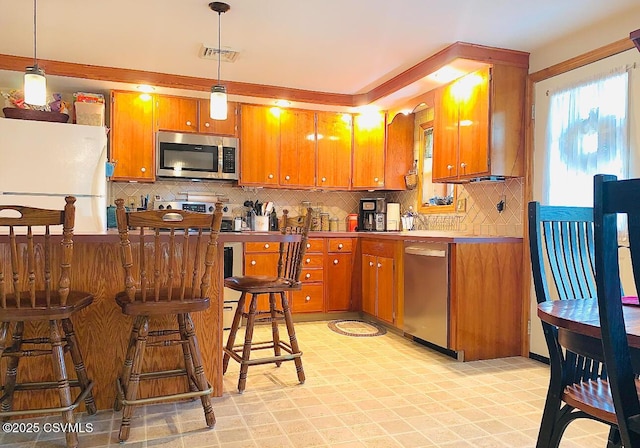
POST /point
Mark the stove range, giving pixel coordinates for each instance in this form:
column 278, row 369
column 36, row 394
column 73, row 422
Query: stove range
column 202, row 207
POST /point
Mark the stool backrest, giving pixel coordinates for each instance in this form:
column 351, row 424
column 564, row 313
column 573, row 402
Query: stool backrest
column 31, row 274
column 170, row 263
column 292, row 253
column 612, row 196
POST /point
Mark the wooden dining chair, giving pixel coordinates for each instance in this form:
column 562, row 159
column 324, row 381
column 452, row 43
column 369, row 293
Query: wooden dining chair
column 613, row 197
column 562, row 261
column 169, row 275
column 285, row 280
column 36, row 294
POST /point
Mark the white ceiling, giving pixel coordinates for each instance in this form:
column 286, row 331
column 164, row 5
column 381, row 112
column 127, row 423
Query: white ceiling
column 340, row 46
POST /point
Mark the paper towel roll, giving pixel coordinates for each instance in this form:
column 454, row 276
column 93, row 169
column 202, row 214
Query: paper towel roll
column 393, row 216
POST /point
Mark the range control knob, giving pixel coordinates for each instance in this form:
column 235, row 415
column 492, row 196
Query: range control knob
column 225, row 209
column 169, row 207
column 161, row 207
column 210, row 208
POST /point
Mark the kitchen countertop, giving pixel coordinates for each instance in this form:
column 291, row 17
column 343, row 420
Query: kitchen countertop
column 111, row 235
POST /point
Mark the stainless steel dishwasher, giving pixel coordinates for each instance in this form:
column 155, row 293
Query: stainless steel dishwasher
column 426, row 291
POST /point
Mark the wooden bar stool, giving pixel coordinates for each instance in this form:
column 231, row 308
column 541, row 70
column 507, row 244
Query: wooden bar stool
column 30, row 294
column 286, row 280
column 171, row 277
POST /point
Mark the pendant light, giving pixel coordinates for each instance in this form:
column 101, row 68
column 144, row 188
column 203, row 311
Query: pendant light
column 35, row 84
column 218, row 99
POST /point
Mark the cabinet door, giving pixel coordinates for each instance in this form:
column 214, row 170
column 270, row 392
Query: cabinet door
column 368, row 151
column 132, row 136
column 334, row 136
column 297, row 148
column 385, row 289
column 473, row 112
column 445, row 135
column 337, row 281
column 399, row 153
column 260, row 264
column 207, row 125
column 369, row 268
column 177, row 114
column 259, row 145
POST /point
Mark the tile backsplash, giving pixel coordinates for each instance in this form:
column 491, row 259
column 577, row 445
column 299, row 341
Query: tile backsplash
column 481, row 216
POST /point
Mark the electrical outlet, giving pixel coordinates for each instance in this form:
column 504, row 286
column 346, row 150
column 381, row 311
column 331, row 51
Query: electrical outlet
column 461, row 205
column 131, row 201
column 502, row 204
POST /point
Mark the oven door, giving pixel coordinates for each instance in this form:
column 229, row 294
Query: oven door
column 232, row 267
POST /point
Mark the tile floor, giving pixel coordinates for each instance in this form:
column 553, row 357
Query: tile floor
column 383, row 391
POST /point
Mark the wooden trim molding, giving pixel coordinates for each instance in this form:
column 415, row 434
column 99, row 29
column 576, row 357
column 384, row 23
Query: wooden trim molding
column 582, row 60
column 635, row 37
column 418, row 71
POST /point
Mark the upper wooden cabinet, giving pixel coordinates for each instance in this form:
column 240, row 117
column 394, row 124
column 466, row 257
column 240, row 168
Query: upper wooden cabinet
column 478, row 127
column 180, row 114
column 177, row 113
column 399, row 151
column 259, row 145
column 334, row 137
column 297, row 148
column 368, row 151
column 132, row 136
column 207, row 125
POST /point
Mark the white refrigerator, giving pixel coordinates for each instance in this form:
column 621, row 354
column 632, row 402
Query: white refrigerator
column 42, row 162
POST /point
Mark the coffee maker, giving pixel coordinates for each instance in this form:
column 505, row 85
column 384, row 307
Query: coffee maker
column 372, row 215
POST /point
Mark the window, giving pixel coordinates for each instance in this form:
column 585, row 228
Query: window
column 587, row 134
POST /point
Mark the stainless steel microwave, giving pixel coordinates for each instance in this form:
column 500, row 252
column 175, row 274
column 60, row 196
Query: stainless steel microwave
column 196, row 156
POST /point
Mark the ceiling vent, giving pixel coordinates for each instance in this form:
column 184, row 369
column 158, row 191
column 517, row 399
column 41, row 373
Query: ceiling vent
column 226, row 54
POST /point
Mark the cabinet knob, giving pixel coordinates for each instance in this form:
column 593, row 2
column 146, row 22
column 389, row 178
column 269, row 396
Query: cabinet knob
column 143, row 169
column 340, row 246
column 308, row 276
column 449, row 167
column 308, row 260
column 375, row 179
column 188, row 123
column 253, row 262
column 270, row 176
column 463, row 165
column 308, row 245
column 371, row 263
column 324, row 179
column 335, row 261
column 206, row 125
column 307, row 299
column 287, row 177
column 379, row 265
column 266, row 246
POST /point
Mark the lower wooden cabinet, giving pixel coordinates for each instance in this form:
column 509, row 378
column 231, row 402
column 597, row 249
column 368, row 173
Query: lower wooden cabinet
column 310, row 299
column 338, row 267
column 379, row 279
column 261, row 259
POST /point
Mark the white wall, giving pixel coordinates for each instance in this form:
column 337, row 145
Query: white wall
column 605, row 32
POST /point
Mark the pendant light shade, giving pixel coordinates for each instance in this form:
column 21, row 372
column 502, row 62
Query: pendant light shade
column 35, row 84
column 218, row 103
column 218, row 98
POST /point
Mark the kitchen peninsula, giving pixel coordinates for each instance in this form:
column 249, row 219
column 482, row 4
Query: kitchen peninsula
column 486, row 303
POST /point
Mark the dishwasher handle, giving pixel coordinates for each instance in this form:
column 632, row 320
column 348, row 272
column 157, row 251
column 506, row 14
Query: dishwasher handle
column 425, row 252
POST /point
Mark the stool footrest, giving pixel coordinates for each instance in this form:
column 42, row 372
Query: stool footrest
column 157, row 399
column 49, row 385
column 236, row 353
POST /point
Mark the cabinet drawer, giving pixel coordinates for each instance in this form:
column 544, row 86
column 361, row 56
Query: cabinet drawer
column 312, row 275
column 262, row 247
column 340, row 244
column 312, row 261
column 378, row 248
column 314, row 245
column 308, row 299
column 261, row 264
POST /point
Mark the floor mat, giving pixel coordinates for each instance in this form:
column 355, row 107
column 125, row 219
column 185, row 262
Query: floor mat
column 356, row 328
